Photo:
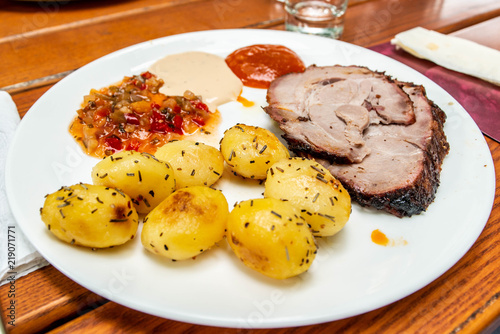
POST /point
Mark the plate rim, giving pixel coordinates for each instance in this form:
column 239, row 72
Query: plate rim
column 208, row 321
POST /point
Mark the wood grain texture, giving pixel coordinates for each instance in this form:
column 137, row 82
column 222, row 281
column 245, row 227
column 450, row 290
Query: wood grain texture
column 376, row 22
column 48, row 51
column 465, row 299
column 22, row 19
column 484, row 33
column 45, row 298
column 73, row 45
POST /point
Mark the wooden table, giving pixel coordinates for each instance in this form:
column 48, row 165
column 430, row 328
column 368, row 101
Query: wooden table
column 42, row 42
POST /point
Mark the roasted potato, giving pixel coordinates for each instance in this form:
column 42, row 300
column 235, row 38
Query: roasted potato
column 187, row 223
column 271, row 237
column 194, row 163
column 90, row 215
column 143, row 177
column 323, row 201
column 250, row 150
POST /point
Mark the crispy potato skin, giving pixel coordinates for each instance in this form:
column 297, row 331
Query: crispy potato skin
column 194, row 163
column 90, row 216
column 250, row 150
column 143, row 177
column 270, row 236
column 187, row 223
column 323, row 201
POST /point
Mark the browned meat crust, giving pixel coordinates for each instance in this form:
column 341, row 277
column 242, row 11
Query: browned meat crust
column 398, row 154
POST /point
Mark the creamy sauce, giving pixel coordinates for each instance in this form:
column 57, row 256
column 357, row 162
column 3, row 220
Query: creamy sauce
column 202, row 73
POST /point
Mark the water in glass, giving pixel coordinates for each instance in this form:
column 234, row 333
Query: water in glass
column 325, row 18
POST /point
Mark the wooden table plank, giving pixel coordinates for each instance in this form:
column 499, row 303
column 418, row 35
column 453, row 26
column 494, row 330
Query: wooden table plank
column 377, row 22
column 76, row 45
column 374, row 22
column 28, row 17
column 380, row 22
column 485, row 33
column 65, row 300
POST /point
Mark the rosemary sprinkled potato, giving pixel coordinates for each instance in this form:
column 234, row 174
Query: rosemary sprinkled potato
column 250, row 150
column 323, row 201
column 194, row 163
column 143, row 177
column 90, row 215
column 270, row 236
column 187, row 223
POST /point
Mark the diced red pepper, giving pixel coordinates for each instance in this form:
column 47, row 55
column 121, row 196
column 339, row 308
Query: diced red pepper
column 132, row 118
column 199, row 105
column 158, row 122
column 199, row 120
column 177, row 124
column 146, row 75
column 177, row 109
column 114, row 143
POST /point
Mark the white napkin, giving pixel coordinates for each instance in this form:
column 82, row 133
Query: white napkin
column 452, row 52
column 27, row 259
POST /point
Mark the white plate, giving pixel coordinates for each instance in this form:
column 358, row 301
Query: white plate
column 350, row 275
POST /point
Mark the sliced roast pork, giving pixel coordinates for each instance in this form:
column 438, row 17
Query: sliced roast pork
column 383, row 139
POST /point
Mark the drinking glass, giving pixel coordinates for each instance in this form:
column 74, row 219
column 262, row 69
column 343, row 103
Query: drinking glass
column 317, row 17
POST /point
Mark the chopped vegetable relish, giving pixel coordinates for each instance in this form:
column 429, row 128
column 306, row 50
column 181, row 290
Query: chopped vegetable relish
column 134, row 115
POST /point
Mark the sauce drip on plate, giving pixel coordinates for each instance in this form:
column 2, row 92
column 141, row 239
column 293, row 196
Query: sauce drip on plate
column 379, row 238
column 258, row 65
column 244, row 102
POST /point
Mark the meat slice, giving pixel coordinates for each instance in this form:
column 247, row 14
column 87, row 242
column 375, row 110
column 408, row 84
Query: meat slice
column 303, row 104
column 398, row 153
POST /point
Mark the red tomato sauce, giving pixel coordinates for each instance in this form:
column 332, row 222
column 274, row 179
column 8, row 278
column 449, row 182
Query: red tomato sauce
column 258, row 65
column 134, row 115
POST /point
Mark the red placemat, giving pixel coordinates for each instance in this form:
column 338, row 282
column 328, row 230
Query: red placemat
column 481, row 99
